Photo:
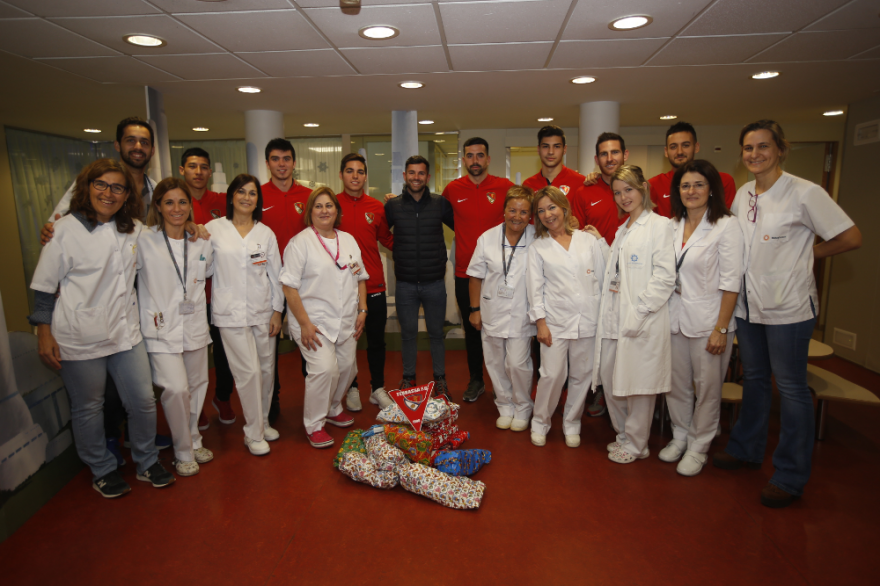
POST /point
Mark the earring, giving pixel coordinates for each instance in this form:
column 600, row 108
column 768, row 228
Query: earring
column 710, row 194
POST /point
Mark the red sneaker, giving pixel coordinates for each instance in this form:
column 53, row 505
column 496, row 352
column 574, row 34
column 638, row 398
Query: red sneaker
column 203, row 421
column 341, row 420
column 227, row 415
column 320, row 439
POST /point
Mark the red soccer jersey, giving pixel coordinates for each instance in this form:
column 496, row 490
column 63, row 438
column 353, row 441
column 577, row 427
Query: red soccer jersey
column 594, row 204
column 211, row 202
column 567, row 180
column 661, row 185
column 364, row 218
column 477, row 208
column 283, row 211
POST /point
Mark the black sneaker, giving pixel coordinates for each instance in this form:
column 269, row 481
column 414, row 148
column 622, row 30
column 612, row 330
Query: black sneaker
column 440, row 388
column 475, row 388
column 407, row 383
column 111, row 485
column 157, row 475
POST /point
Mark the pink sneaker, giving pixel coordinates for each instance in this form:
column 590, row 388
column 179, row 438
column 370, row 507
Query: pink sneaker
column 341, row 420
column 320, row 439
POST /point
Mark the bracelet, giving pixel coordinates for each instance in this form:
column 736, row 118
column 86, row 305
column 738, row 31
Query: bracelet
column 362, row 311
column 475, row 309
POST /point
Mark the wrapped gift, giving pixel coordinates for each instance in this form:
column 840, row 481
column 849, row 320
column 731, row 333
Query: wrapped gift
column 360, row 468
column 461, row 462
column 457, row 492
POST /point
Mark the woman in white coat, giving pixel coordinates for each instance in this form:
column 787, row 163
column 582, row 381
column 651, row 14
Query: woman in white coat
column 780, row 216
column 633, row 356
column 325, row 283
column 500, row 305
column 174, row 321
column 246, row 304
column 708, row 251
column 564, row 280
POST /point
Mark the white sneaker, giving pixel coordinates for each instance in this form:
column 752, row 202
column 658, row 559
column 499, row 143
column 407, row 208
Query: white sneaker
column 503, row 422
column 673, row 451
column 380, row 397
column 353, row 399
column 538, row 439
column 573, row 440
column 691, row 463
column 621, row 456
column 270, row 434
column 257, row 448
column 613, row 446
column 186, row 468
column 519, row 425
column 203, row 455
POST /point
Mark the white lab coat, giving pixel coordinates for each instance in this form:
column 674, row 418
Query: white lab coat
column 503, row 317
column 647, row 279
column 245, row 289
column 96, row 314
column 160, row 291
column 712, row 265
column 778, row 252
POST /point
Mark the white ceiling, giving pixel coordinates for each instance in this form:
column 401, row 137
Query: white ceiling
column 486, row 64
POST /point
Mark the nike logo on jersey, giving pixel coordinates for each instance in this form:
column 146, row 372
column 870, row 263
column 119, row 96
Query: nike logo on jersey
column 268, row 208
column 665, row 196
column 461, row 200
column 592, row 203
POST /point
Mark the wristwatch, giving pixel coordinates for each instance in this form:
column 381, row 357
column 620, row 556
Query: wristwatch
column 720, row 330
column 475, row 309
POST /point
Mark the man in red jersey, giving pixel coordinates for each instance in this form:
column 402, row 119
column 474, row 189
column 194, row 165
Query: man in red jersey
column 195, row 168
column 477, row 201
column 364, row 218
column 551, row 151
column 284, row 200
column 681, row 147
column 593, row 204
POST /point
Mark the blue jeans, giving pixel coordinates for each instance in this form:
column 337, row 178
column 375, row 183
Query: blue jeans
column 85, row 380
column 431, row 296
column 780, row 350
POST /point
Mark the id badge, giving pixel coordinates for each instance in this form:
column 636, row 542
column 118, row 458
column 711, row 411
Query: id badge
column 187, row 307
column 355, row 268
column 614, row 285
column 505, row 291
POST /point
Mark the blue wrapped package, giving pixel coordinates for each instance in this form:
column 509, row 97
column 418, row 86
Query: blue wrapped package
column 461, row 462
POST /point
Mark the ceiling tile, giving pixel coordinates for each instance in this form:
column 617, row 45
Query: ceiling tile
column 89, row 8
column 7, row 11
column 198, row 67
column 858, row 14
column 317, row 62
column 713, row 50
column 280, row 30
column 110, row 31
column 872, row 54
column 111, row 69
column 503, row 22
column 622, row 53
column 499, row 57
column 820, row 46
column 37, row 38
column 740, row 17
column 188, row 6
column 417, row 25
column 335, row 3
column 590, row 19
column 398, row 59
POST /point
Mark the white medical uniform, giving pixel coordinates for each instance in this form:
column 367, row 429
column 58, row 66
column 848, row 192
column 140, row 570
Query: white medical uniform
column 176, row 343
column 564, row 288
column 634, row 356
column 507, row 332
column 710, row 264
column 245, row 292
column 330, row 297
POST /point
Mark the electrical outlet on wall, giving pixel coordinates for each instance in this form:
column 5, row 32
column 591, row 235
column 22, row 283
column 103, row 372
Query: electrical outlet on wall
column 844, row 338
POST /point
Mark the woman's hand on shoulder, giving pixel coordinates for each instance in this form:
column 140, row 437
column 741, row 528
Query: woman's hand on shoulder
column 590, row 229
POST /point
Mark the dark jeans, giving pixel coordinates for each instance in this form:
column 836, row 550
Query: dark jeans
column 374, row 329
column 432, row 297
column 472, row 340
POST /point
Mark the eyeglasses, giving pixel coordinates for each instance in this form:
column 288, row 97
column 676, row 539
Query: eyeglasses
column 699, row 186
column 753, row 208
column 115, row 188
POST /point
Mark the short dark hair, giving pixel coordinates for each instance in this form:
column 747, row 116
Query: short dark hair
column 717, row 206
column 417, row 160
column 775, row 130
column 352, row 157
column 194, row 152
column 280, row 144
column 551, row 130
column 475, row 140
column 681, row 127
column 606, row 136
column 236, row 184
column 133, row 121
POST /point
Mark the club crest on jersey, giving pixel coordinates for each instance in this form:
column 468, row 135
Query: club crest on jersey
column 564, row 189
column 369, row 216
column 298, row 206
column 491, row 196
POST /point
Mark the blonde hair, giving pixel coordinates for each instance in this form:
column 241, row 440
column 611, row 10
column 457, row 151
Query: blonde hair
column 519, row 192
column 632, row 175
column 555, row 195
column 154, row 214
column 310, row 205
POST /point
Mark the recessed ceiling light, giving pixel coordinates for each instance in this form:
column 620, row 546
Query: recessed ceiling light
column 766, row 75
column 833, row 113
column 311, row 125
column 441, row 140
column 582, row 80
column 249, row 89
column 144, row 40
column 426, row 122
column 545, row 119
column 93, row 130
column 628, row 23
column 200, row 129
column 378, row 32
column 411, row 85
column 668, row 117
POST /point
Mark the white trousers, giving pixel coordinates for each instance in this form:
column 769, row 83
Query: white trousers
column 332, row 368
column 555, row 363
column 509, row 363
column 696, row 374
column 631, row 416
column 251, row 354
column 183, row 379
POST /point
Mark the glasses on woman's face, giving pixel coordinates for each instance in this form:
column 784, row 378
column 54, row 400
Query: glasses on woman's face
column 698, row 185
column 753, row 208
column 115, row 188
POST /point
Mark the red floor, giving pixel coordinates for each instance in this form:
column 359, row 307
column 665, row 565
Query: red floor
column 551, row 515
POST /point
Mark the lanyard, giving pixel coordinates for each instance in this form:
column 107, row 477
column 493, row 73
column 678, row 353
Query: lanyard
column 506, row 267
column 336, row 258
column 681, row 260
column 174, row 260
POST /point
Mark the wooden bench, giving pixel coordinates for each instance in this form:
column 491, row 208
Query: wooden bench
column 732, row 393
column 827, row 386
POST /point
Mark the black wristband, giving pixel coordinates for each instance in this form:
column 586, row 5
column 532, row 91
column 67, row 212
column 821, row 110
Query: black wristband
column 475, row 309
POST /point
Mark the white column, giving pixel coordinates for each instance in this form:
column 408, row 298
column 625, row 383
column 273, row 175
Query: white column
column 261, row 126
column 596, row 118
column 161, row 161
column 404, row 144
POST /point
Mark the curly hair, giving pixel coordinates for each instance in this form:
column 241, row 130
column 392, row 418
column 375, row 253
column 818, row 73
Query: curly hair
column 132, row 208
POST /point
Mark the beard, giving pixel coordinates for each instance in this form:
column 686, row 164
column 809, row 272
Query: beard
column 133, row 164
